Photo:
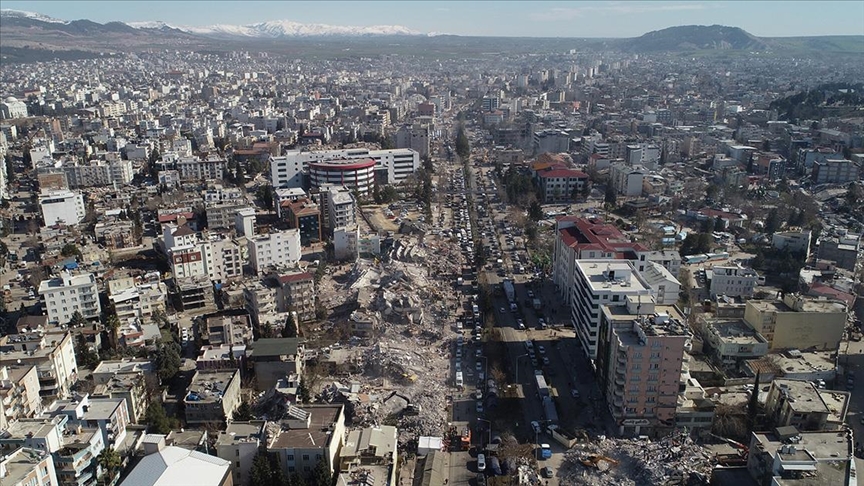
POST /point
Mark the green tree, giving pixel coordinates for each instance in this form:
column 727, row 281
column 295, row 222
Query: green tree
column 584, row 192
column 753, row 405
column 303, row 391
column 611, row 197
column 290, row 328
column 112, row 325
column 321, row 475
column 772, row 222
column 264, row 195
column 84, row 355
column 535, row 211
column 261, row 472
column 168, row 361
column 463, row 146
column 156, row 418
column 77, row 319
column 70, row 250
column 243, row 412
column 110, row 461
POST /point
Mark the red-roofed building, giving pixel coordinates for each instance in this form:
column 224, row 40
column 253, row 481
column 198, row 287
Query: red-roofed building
column 578, row 238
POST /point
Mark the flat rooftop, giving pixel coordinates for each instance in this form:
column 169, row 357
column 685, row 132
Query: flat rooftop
column 809, row 305
column 209, row 385
column 612, row 275
column 21, row 463
column 736, row 331
column 317, row 435
column 830, row 451
column 123, row 366
column 805, row 396
column 238, row 432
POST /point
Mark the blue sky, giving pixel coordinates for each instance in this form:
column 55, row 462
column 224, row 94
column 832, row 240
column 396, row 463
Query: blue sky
column 487, row 18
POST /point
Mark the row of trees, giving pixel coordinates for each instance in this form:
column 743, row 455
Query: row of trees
column 266, row 471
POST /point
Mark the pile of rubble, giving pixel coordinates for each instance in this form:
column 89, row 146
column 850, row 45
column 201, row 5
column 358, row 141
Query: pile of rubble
column 673, row 460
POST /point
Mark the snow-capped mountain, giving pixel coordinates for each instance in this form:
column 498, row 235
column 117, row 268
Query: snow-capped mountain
column 21, row 14
column 282, row 28
column 273, row 29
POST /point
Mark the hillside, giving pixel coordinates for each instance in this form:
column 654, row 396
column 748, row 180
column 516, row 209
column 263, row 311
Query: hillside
column 694, row 37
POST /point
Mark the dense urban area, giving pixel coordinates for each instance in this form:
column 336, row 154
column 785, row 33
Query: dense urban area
column 583, row 267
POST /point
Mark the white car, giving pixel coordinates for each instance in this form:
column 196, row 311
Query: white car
column 478, row 394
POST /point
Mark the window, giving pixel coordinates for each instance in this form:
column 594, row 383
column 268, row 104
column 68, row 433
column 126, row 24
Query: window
column 305, row 457
column 290, row 457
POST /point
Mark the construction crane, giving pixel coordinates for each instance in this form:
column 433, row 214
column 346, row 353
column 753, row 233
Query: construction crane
column 743, row 450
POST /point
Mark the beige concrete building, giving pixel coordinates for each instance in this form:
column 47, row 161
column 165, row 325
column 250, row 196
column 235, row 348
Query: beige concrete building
column 239, row 444
column 370, row 453
column 308, row 436
column 19, row 392
column 790, row 457
column 798, row 322
column 802, row 405
column 212, row 397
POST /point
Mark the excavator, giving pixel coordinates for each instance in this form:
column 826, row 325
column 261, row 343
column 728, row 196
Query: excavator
column 600, row 462
column 739, row 459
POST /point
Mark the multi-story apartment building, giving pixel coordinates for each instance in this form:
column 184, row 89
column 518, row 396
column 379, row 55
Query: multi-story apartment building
column 295, row 292
column 304, row 215
column 798, row 322
column 782, row 457
column 338, row 207
column 371, row 452
column 26, row 467
column 729, row 341
column 220, row 215
column 308, row 436
column 640, row 360
column 579, row 238
column 274, row 359
column 627, row 180
column 794, row 241
column 196, row 169
column 260, row 300
column 239, row 444
column 224, row 257
column 800, row 404
column 842, row 250
column 99, row 173
column 395, row 165
column 560, row 184
column 598, row 283
column 280, row 249
column 137, row 298
column 19, row 392
column 69, row 292
column 212, row 397
column 53, row 355
column 835, row 171
column 415, row 137
column 109, row 415
column 733, row 281
column 124, row 379
column 63, row 207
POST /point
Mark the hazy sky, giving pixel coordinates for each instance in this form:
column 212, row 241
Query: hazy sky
column 485, row 18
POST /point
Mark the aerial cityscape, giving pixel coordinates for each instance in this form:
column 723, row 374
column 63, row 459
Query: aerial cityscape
column 542, row 243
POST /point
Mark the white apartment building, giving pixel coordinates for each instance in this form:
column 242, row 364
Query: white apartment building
column 599, row 283
column 67, row 293
column 193, row 168
column 287, row 170
column 733, row 281
column 99, row 173
column 338, row 207
column 224, row 258
column 184, row 252
column 279, row 249
column 627, row 180
column 794, row 241
column 65, row 207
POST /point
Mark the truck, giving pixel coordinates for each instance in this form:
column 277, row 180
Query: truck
column 542, row 387
column 545, row 451
column 549, row 409
column 509, row 290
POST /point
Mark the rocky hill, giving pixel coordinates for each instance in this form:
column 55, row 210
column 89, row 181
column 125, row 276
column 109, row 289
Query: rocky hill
column 694, row 37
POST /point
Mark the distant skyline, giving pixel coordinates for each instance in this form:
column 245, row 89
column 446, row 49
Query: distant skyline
column 486, row 18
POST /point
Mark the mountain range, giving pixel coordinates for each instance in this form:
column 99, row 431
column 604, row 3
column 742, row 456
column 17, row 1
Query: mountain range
column 29, row 36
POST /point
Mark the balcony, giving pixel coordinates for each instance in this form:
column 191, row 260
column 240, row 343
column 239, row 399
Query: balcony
column 620, row 381
column 622, row 358
column 619, row 392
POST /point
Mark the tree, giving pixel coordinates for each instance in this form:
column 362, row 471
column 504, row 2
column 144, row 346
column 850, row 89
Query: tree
column 303, row 391
column 290, row 328
column 321, row 475
column 84, row 356
column 243, row 412
column 69, row 250
column 156, row 418
column 463, row 146
column 585, row 190
column 711, row 193
column 261, row 472
column 611, row 197
column 535, row 211
column 109, row 459
column 264, row 195
column 772, row 223
column 753, row 404
column 77, row 319
column 112, row 325
column 168, row 361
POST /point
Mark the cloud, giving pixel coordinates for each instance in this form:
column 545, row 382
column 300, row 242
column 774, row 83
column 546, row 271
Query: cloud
column 442, row 9
column 558, row 14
